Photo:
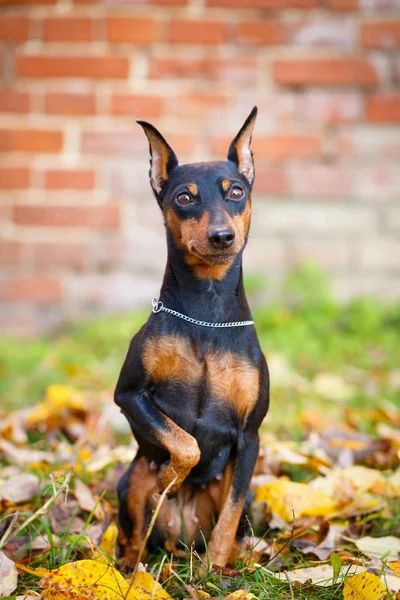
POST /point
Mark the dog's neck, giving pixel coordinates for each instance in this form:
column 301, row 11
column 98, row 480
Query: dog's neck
column 205, row 299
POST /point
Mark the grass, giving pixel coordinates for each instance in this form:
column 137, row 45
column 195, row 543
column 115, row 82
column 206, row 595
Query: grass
column 304, row 334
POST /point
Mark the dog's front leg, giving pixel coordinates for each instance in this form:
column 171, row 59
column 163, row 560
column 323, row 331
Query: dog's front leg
column 237, row 481
column 151, row 424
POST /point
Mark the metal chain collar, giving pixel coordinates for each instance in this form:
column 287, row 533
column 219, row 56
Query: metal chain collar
column 158, row 306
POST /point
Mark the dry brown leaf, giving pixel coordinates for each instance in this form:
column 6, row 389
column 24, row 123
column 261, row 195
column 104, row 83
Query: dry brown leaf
column 8, row 575
column 18, row 456
column 364, row 586
column 86, row 500
column 20, row 488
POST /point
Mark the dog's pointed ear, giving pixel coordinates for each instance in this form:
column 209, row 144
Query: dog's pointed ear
column 162, row 158
column 239, row 150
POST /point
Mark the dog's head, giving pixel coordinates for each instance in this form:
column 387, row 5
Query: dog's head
column 207, row 205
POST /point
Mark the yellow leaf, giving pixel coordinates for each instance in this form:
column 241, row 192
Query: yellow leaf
column 144, row 587
column 282, row 495
column 105, row 552
column 241, row 595
column 89, row 579
column 61, row 400
column 364, row 586
column 395, row 567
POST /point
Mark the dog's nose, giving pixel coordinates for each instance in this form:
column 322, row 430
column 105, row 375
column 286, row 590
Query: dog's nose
column 221, row 238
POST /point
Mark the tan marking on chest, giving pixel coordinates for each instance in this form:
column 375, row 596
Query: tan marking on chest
column 171, row 358
column 234, row 380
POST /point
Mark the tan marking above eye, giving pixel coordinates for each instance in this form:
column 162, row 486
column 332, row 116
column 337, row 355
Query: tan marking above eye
column 193, row 189
column 171, row 358
column 226, row 184
column 234, row 380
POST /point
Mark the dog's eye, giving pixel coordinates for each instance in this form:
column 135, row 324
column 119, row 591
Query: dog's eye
column 236, row 193
column 184, row 199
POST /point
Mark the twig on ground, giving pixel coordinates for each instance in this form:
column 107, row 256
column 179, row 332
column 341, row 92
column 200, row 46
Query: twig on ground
column 290, row 584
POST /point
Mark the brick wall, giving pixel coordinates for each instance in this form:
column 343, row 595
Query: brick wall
column 80, row 230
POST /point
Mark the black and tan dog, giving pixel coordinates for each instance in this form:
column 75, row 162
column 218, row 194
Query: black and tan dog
column 194, row 393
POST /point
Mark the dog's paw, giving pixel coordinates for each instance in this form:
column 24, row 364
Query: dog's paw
column 169, row 476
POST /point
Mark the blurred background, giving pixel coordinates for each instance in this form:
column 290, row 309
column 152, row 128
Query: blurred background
column 80, row 232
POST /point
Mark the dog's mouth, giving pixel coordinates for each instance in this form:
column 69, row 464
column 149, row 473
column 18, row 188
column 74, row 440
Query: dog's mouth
column 213, row 258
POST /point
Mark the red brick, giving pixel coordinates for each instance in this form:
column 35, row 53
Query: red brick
column 383, row 108
column 199, row 104
column 263, row 4
column 333, row 31
column 30, row 2
column 326, row 106
column 185, row 31
column 104, row 217
column 13, row 101
column 63, row 103
column 319, row 181
column 348, row 71
column 277, row 147
column 93, row 67
column 133, row 143
column 10, row 252
column 39, row 290
column 239, row 70
column 270, row 181
column 60, row 254
column 12, row 178
column 68, row 29
column 137, row 106
column 135, row 30
column 14, row 28
column 30, row 140
column 134, row 3
column 70, row 180
column 381, row 34
column 261, row 33
column 343, row 5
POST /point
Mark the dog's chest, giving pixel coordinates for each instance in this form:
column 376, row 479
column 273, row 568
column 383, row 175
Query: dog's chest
column 218, row 375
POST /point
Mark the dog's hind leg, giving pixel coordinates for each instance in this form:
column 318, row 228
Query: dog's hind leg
column 134, row 489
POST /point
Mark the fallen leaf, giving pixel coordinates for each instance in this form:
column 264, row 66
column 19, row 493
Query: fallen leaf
column 322, row 575
column 20, row 488
column 95, row 581
column 241, row 595
column 86, row 500
column 105, row 552
column 395, row 567
column 282, row 495
column 143, row 586
column 8, row 575
column 385, row 547
column 16, row 455
column 61, row 402
column 364, row 586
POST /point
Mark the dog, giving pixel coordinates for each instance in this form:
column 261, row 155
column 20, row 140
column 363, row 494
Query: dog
column 195, row 384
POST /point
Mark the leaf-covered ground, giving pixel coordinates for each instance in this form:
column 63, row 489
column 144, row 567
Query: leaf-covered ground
column 325, row 522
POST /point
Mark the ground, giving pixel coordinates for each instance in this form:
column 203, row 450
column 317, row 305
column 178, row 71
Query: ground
column 327, row 484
